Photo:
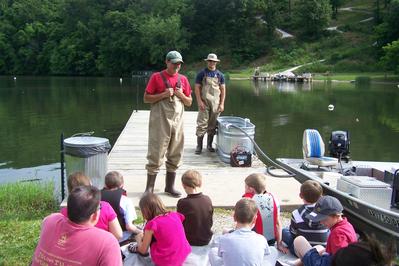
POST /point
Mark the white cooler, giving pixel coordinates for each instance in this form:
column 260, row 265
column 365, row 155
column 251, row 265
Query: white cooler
column 366, row 188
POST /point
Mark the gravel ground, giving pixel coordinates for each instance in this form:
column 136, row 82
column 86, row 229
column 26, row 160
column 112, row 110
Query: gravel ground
column 223, row 218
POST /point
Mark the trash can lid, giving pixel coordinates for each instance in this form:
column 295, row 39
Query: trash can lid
column 85, row 141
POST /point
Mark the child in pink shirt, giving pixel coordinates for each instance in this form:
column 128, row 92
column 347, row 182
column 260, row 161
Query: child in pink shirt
column 108, row 220
column 164, row 232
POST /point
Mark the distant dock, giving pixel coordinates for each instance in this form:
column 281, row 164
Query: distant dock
column 221, row 182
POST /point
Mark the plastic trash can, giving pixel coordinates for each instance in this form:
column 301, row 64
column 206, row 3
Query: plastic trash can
column 88, row 155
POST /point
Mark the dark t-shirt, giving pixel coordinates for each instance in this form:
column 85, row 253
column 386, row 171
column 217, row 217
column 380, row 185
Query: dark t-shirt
column 198, row 210
column 209, row 73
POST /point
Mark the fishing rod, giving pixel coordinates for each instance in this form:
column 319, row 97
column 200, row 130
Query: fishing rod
column 260, row 152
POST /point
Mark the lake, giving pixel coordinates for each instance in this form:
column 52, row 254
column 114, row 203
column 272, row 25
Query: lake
column 34, row 111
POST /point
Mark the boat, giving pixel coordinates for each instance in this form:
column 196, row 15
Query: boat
column 368, row 190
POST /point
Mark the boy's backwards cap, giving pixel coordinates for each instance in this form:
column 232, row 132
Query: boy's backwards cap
column 325, row 206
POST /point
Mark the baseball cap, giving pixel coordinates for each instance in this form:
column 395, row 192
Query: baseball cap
column 174, row 57
column 324, row 207
column 212, row 57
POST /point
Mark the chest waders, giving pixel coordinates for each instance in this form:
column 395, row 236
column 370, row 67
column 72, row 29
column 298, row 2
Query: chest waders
column 207, row 119
column 165, row 138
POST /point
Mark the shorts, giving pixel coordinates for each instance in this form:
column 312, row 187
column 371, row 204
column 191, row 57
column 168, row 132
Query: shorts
column 313, row 258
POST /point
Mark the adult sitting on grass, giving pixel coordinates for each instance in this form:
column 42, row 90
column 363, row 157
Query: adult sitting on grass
column 108, row 220
column 74, row 240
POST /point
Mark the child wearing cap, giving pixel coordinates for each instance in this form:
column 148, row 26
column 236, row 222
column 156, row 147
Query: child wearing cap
column 268, row 221
column 328, row 211
column 314, row 232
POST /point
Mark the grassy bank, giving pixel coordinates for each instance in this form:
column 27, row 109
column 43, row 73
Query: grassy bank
column 22, row 208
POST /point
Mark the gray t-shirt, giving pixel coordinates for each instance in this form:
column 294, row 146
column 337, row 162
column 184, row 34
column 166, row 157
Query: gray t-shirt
column 243, row 247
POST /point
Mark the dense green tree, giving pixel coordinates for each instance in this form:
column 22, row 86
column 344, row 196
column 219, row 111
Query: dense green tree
column 120, row 48
column 390, row 60
column 114, row 37
column 158, row 35
column 388, row 31
column 312, row 17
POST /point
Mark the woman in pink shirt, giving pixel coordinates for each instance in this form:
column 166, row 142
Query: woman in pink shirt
column 164, row 232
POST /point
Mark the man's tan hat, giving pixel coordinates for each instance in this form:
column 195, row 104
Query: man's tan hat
column 212, row 57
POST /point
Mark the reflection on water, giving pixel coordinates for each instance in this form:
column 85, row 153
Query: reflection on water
column 35, row 110
column 281, row 86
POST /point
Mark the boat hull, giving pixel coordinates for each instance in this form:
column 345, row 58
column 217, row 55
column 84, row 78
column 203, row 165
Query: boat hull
column 367, row 218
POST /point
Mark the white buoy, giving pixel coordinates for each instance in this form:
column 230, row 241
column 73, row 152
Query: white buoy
column 120, row 80
column 357, row 119
column 330, row 107
column 15, row 78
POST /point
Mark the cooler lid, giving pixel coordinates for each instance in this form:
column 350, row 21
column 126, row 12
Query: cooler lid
column 365, row 181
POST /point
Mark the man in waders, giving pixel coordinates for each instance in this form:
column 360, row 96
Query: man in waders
column 210, row 91
column 167, row 92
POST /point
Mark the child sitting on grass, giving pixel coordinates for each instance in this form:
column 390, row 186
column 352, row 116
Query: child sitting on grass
column 113, row 193
column 268, row 221
column 108, row 220
column 314, row 232
column 243, row 246
column 197, row 210
column 164, row 232
column 328, row 211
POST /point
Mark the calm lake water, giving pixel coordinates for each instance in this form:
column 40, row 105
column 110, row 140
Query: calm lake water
column 35, row 110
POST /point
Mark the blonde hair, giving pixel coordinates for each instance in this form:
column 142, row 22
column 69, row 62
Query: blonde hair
column 311, row 191
column 151, row 206
column 113, row 179
column 77, row 179
column 256, row 181
column 245, row 210
column 192, row 178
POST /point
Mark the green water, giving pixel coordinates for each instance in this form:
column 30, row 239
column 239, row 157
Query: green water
column 35, row 110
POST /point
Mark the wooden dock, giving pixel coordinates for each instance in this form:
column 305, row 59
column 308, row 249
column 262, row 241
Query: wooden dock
column 221, row 182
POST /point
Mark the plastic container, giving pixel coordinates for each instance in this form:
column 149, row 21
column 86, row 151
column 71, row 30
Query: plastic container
column 88, row 155
column 232, row 139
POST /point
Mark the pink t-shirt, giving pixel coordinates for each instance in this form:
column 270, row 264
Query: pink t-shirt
column 63, row 242
column 156, row 85
column 341, row 235
column 107, row 214
column 170, row 246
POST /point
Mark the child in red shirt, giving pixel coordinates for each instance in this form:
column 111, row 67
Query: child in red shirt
column 268, row 221
column 328, row 211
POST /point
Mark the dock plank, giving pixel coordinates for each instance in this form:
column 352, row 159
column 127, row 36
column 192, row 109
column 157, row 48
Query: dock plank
column 223, row 183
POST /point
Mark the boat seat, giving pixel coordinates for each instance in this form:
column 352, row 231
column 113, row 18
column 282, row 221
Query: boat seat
column 313, row 149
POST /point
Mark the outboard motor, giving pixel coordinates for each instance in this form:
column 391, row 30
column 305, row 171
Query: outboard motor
column 338, row 145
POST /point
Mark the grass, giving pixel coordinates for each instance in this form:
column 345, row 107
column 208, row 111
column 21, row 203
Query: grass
column 22, row 208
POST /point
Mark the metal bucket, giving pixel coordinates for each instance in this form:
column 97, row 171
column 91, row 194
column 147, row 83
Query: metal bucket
column 88, row 155
column 230, row 139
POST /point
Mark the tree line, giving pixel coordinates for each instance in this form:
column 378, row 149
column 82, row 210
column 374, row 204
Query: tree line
column 114, row 37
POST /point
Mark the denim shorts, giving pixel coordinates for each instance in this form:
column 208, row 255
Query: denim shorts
column 313, row 258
